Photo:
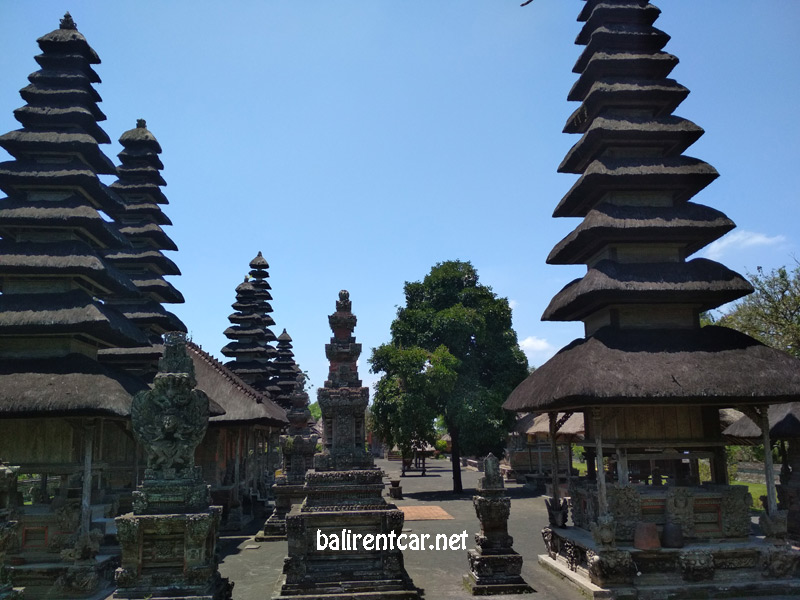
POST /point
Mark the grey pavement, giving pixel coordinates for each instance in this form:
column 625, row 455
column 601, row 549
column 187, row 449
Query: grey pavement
column 256, row 567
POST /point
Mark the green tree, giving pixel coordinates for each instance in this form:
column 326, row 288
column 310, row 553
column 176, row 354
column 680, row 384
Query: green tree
column 771, row 314
column 453, row 353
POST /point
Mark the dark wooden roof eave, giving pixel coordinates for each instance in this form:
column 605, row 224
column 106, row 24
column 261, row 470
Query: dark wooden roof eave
column 711, row 366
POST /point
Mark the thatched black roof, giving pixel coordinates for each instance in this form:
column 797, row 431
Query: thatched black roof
column 68, row 259
column 616, row 63
column 59, row 116
column 242, row 403
column 693, row 225
column 73, row 385
column 680, row 176
column 710, row 366
column 661, row 97
column 17, row 176
column 784, row 423
column 73, row 313
column 703, row 282
column 72, row 213
column 671, row 134
column 150, row 258
column 639, row 37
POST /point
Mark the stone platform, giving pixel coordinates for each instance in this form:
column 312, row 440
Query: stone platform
column 743, row 568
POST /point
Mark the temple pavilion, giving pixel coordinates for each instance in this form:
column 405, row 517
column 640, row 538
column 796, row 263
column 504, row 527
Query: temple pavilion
column 63, row 414
column 648, row 378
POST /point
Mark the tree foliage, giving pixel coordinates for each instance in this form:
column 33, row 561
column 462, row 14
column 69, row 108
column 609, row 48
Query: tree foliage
column 453, row 354
column 772, row 313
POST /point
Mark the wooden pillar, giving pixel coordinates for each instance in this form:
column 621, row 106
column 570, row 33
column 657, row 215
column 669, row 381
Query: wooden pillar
column 86, row 496
column 719, row 467
column 591, row 467
column 43, row 488
column 622, row 466
column 554, row 458
column 597, row 425
column 769, row 471
column 569, row 462
column 236, row 470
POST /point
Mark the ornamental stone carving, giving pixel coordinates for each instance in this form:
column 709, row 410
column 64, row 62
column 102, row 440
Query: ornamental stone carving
column 735, row 511
column 696, row 565
column 779, row 561
column 680, row 509
column 609, row 567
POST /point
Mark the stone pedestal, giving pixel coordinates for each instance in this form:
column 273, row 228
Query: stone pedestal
column 297, row 449
column 349, row 501
column 395, row 491
column 169, row 540
column 494, row 566
column 344, row 497
column 285, row 496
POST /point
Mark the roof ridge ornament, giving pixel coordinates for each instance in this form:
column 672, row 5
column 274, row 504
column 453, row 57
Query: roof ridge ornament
column 140, row 123
column 67, row 22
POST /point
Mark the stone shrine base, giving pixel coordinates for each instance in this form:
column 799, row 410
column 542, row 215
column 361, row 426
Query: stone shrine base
column 492, row 574
column 87, row 579
column 344, row 574
column 286, row 496
column 740, row 568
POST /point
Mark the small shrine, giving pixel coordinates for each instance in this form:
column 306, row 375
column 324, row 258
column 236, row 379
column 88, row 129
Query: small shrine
column 169, row 540
column 494, row 567
column 298, row 447
column 344, row 492
column 648, row 378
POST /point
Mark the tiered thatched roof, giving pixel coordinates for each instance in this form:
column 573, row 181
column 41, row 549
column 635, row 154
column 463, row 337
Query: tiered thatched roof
column 250, row 331
column 640, row 298
column 56, row 282
column 141, row 218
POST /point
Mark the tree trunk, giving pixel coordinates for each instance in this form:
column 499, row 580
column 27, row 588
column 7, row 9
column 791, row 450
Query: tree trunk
column 457, row 488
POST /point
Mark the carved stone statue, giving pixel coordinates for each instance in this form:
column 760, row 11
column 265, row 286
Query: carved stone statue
column 168, row 543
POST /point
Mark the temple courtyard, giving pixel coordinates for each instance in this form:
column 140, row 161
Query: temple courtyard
column 256, row 567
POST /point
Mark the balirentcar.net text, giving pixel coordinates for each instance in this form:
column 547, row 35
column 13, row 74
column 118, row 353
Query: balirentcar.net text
column 348, row 540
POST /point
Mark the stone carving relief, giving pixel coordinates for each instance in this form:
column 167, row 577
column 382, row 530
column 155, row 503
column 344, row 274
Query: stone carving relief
column 696, row 565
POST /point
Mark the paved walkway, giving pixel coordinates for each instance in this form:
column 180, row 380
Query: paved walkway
column 256, row 567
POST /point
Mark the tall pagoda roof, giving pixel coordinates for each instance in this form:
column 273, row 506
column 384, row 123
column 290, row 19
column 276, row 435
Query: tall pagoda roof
column 640, row 297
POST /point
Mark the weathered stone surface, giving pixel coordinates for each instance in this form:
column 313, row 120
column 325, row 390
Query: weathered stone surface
column 344, row 494
column 169, row 541
column 494, row 567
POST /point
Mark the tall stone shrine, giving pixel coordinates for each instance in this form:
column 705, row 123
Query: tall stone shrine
column 344, row 494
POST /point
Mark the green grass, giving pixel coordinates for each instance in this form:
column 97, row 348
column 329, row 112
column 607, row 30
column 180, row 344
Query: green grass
column 756, row 491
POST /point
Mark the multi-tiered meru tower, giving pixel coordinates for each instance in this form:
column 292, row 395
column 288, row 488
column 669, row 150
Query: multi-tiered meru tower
column 649, row 379
column 141, row 220
column 250, row 332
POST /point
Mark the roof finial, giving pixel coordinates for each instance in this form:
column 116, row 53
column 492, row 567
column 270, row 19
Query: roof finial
column 141, row 124
column 67, row 22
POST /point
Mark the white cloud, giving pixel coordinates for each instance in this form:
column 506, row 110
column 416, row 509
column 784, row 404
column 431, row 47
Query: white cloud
column 538, row 350
column 512, row 304
column 738, row 240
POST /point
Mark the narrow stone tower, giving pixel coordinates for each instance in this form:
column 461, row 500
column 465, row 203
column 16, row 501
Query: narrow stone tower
column 344, row 493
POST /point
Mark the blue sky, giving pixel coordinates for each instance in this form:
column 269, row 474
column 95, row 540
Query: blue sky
column 357, row 143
